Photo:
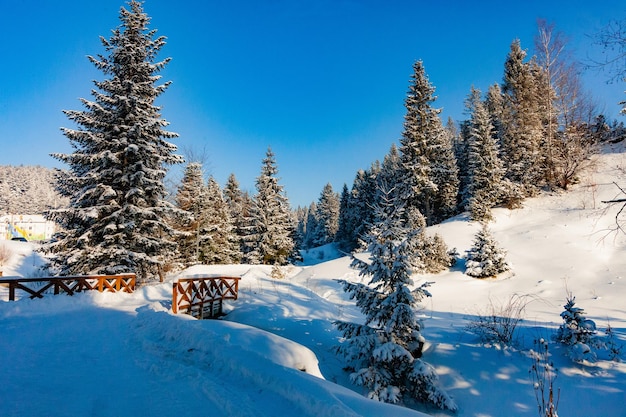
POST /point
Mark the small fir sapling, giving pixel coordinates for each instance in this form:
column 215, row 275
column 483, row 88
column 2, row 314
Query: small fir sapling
column 612, row 346
column 485, row 259
column 578, row 333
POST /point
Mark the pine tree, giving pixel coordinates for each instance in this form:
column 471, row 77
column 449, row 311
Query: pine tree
column 522, row 121
column 238, row 209
column 345, row 221
column 485, row 171
column 385, row 352
column 272, row 228
column 327, row 214
column 117, row 219
column 363, row 198
column 429, row 174
column 312, row 233
column 485, row 259
column 191, row 200
column 218, row 244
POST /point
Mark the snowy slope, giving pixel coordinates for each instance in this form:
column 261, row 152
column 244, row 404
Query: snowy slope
column 126, row 354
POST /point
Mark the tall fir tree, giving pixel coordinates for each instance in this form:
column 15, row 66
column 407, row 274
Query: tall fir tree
column 522, row 121
column 344, row 223
column 191, row 200
column 385, row 351
column 272, row 228
column 117, row 219
column 327, row 214
column 218, row 243
column 429, row 179
column 312, row 232
column 363, row 197
column 238, row 209
column 485, row 170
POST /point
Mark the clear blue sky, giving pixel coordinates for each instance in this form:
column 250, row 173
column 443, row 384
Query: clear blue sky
column 322, row 82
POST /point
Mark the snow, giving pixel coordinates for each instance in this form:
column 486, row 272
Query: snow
column 106, row 354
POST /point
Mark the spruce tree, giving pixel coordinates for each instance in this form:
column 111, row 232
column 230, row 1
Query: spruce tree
column 429, row 179
column 577, row 332
column 522, row 122
column 485, row 171
column 385, row 352
column 117, row 219
column 218, row 243
column 191, row 200
column 272, row 228
column 485, row 259
column 345, row 221
column 327, row 214
column 238, row 209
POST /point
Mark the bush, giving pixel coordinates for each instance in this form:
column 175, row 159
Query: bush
column 542, row 374
column 497, row 324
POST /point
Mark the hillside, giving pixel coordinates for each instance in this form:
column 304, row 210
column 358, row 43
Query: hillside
column 28, row 190
column 123, row 355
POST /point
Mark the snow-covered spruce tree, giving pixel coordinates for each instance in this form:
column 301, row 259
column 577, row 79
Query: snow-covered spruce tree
column 485, row 171
column 485, row 258
column 578, row 333
column 117, row 219
column 239, row 207
column 312, row 232
column 363, row 197
column 272, row 227
column 344, row 222
column 385, row 352
column 429, row 172
column 522, row 122
column 191, row 199
column 218, row 241
column 327, row 214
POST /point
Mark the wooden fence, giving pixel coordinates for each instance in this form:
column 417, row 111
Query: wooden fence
column 203, row 297
column 70, row 284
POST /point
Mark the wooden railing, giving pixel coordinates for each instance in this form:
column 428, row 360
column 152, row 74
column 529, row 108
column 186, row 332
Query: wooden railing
column 203, row 297
column 70, row 284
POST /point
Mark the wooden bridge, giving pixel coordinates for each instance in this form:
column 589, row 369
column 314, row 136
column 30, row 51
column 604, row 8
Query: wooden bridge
column 203, row 297
column 69, row 285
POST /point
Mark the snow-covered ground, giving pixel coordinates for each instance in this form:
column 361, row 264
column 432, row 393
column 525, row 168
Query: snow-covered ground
column 118, row 355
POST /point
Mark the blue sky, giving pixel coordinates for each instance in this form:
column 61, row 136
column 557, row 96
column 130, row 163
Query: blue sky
column 321, row 82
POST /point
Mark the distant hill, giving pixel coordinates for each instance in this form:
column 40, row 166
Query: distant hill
column 28, row 190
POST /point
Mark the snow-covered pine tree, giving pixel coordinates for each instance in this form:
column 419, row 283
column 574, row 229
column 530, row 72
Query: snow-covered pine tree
column 385, row 352
column 390, row 169
column 485, row 258
column 272, row 227
column 238, row 209
column 485, row 171
column 429, row 172
column 522, row 122
column 577, row 332
column 363, row 197
column 327, row 214
column 191, row 200
column 218, row 242
column 344, row 223
column 117, row 219
column 312, row 234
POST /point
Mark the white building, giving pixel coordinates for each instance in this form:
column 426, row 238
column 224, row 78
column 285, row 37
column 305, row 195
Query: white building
column 31, row 226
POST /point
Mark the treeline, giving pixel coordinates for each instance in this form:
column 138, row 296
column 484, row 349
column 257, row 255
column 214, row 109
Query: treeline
column 28, row 190
column 534, row 131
